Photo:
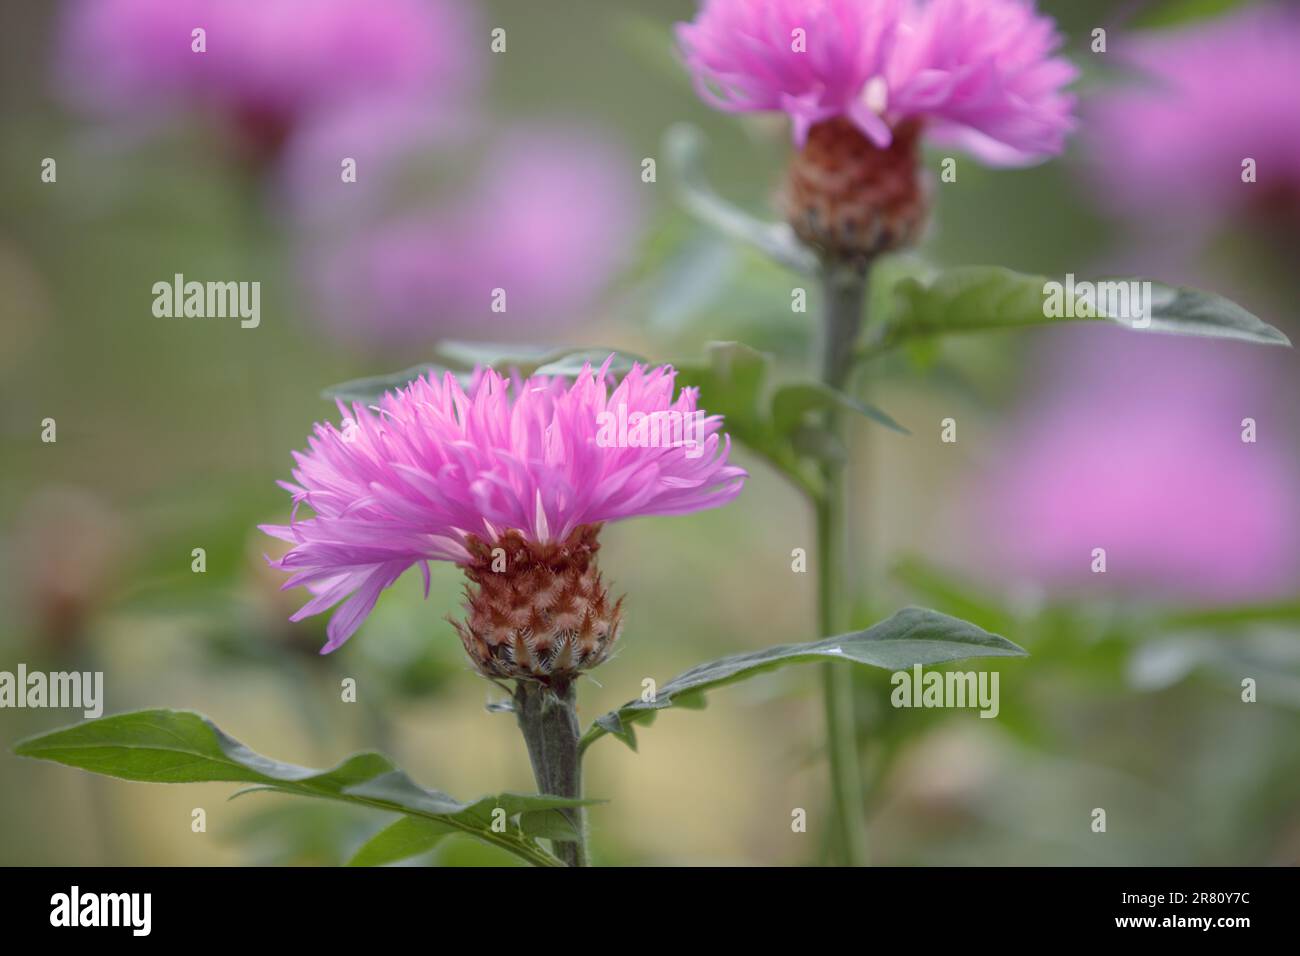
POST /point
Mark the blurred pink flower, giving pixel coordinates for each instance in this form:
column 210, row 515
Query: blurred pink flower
column 985, row 75
column 434, row 467
column 547, row 217
column 268, row 63
column 1137, row 448
column 390, row 141
column 1206, row 97
column 982, row 72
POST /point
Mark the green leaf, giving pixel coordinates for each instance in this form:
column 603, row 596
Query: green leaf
column 170, row 746
column 981, row 298
column 732, row 379
column 461, row 358
column 570, row 365
column 791, row 405
column 370, row 390
column 683, row 149
column 408, row 837
column 912, row 636
column 735, row 381
column 1183, row 311
column 530, row 360
column 550, row 824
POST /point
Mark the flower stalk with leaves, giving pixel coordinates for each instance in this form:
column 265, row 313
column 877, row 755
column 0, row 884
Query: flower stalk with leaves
column 864, row 83
column 506, row 478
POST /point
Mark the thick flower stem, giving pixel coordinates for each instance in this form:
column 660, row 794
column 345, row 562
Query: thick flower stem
column 548, row 719
column 844, row 293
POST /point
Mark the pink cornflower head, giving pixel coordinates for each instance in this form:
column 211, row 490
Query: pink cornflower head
column 812, row 59
column 1169, row 146
column 985, row 77
column 511, row 480
column 861, row 81
column 983, row 72
column 266, row 64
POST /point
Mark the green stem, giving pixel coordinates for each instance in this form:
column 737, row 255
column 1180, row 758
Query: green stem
column 844, row 293
column 548, row 719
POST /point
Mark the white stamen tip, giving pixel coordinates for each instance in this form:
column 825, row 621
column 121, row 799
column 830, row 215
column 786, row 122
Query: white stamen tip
column 876, row 95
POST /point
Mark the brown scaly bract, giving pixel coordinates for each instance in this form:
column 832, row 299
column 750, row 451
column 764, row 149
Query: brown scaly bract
column 849, row 198
column 537, row 611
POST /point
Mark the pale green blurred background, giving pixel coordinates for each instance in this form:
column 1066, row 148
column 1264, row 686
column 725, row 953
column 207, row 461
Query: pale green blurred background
column 171, row 436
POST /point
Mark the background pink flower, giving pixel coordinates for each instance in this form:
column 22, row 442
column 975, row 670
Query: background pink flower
column 1136, row 447
column 745, row 56
column 547, row 216
column 395, row 144
column 984, row 72
column 268, row 63
column 1169, row 144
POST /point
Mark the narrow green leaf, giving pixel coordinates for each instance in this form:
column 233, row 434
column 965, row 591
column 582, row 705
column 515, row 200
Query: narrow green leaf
column 683, row 149
column 980, row 298
column 411, row 836
column 912, row 636
column 792, row 403
column 461, row 358
column 548, row 824
column 732, row 379
column 370, row 390
column 951, row 594
column 530, row 360
column 169, row 746
column 1183, row 311
column 571, row 364
column 408, row 837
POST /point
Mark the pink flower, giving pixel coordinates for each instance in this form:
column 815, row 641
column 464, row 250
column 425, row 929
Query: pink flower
column 266, row 63
column 1137, row 448
column 436, row 473
column 1172, row 142
column 982, row 72
column 390, row 141
column 812, row 59
column 546, row 218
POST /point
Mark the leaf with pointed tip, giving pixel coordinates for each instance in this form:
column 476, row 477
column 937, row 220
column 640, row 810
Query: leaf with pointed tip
column 732, row 380
column 1183, row 311
column 170, row 746
column 792, row 403
column 549, row 824
column 982, row 298
column 408, row 837
column 461, row 358
column 683, row 148
column 912, row 636
column 529, row 360
column 368, row 391
column 571, row 364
